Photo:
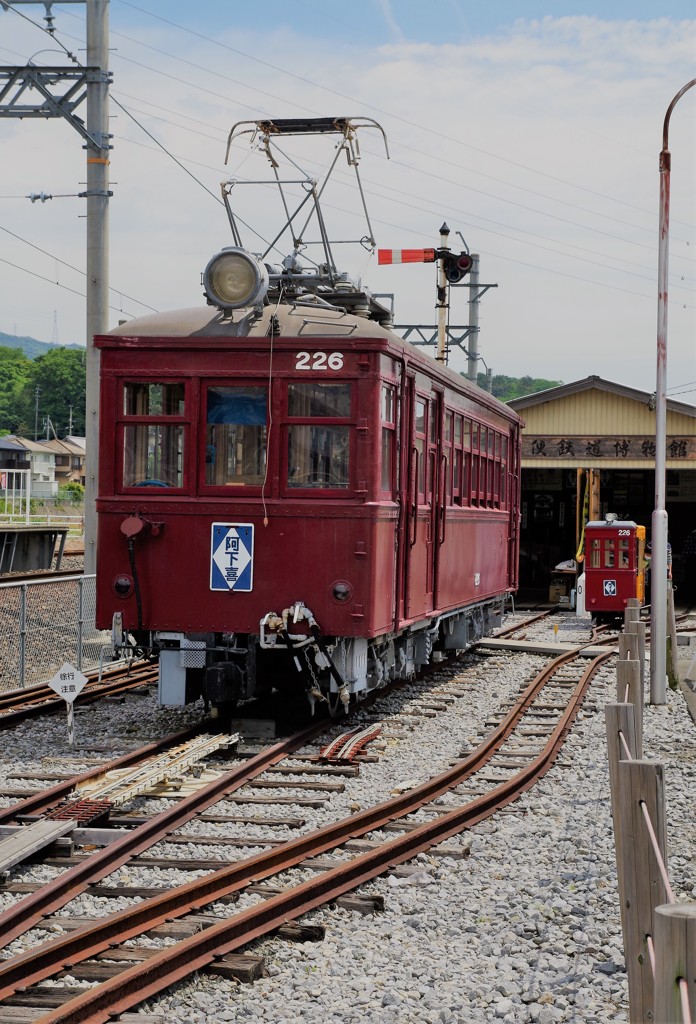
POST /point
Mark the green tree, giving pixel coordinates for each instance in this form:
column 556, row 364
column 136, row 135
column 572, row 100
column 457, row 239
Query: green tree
column 507, row 388
column 60, row 376
column 15, row 370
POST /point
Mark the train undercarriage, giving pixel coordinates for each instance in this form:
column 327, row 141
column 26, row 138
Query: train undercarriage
column 225, row 669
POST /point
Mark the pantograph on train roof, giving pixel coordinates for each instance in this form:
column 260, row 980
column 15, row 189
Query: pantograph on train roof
column 235, row 277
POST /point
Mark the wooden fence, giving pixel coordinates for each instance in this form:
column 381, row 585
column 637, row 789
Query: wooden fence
column 659, row 934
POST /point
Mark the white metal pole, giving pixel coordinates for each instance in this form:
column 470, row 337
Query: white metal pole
column 442, row 303
column 97, row 252
column 658, row 566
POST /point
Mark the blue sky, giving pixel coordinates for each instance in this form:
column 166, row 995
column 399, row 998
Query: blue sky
column 534, row 129
column 386, row 21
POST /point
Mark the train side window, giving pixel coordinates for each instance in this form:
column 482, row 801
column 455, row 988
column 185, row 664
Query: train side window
column 475, row 465
column 153, row 445
column 388, row 418
column 419, row 444
column 236, row 436
column 447, row 452
column 458, row 492
column 319, row 453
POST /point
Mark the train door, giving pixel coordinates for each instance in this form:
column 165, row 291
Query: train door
column 510, row 479
column 438, row 495
column 421, row 547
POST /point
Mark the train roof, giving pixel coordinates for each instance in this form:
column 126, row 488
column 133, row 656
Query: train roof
column 286, row 321
column 289, row 321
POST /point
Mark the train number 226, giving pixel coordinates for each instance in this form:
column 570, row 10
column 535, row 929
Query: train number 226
column 319, row 361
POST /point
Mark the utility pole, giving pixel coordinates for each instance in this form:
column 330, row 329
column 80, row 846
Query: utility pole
column 37, row 392
column 474, row 296
column 97, row 195
column 91, row 82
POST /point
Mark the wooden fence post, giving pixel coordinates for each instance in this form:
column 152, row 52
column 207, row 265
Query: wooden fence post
column 675, row 958
column 640, row 783
column 628, row 647
column 620, row 720
column 631, row 611
column 630, row 691
column 639, row 629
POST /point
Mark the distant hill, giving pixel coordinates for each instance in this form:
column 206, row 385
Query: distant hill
column 30, row 346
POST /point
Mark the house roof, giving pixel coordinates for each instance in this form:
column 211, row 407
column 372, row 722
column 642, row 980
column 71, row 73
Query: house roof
column 598, row 384
column 63, row 447
column 10, row 443
column 31, row 446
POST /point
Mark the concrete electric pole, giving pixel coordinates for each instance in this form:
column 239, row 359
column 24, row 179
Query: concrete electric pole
column 56, row 92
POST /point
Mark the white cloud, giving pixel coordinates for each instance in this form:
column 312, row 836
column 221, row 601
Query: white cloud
column 539, row 143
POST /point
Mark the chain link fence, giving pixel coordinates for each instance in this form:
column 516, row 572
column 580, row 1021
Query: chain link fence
column 45, row 623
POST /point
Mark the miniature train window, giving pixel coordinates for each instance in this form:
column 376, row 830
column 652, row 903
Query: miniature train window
column 153, row 455
column 624, row 557
column 236, row 435
column 596, row 553
column 609, row 559
column 319, row 454
column 388, row 419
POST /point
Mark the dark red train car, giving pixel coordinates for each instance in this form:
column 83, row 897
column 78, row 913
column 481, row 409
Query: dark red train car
column 286, row 481
column 614, row 566
column 303, row 460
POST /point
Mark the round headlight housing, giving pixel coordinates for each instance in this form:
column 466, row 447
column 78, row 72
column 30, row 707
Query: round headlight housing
column 234, row 279
column 123, row 586
column 341, row 591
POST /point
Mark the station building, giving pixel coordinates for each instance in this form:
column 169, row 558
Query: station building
column 588, row 448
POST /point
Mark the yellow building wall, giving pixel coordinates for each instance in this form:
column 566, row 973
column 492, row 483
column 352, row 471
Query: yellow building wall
column 595, row 413
column 599, row 412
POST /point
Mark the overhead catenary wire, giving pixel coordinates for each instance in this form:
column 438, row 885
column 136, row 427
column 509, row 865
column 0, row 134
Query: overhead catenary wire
column 537, row 212
column 441, row 159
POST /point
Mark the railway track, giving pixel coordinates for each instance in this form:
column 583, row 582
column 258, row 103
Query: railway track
column 338, row 857
column 17, row 705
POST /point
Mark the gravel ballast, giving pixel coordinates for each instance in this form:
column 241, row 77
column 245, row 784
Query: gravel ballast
column 524, row 927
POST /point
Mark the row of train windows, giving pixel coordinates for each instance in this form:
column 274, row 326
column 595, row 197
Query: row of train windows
column 237, row 436
column 318, row 454
column 474, row 457
column 606, row 553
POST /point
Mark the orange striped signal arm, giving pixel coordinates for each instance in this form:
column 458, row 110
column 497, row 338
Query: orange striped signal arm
column 387, row 256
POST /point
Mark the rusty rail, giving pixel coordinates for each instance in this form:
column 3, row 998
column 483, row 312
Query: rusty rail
column 144, row 980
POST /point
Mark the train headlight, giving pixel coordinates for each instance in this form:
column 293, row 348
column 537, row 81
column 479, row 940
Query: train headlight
column 123, row 586
column 341, row 591
column 234, row 279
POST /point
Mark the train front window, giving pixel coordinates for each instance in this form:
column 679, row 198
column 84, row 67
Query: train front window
column 153, row 434
column 236, row 436
column 153, row 455
column 314, row 400
column 319, row 452
column 318, row 456
column 145, row 399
